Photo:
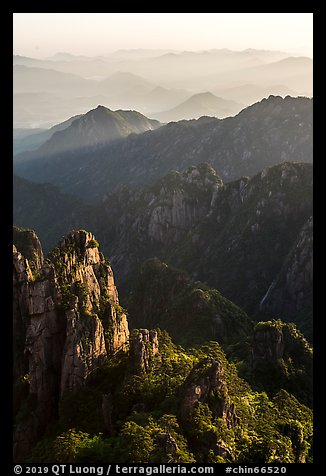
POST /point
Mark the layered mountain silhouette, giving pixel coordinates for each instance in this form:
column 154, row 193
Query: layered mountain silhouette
column 123, row 83
column 52, row 90
column 251, row 93
column 30, row 79
column 204, row 224
column 31, row 140
column 93, row 129
column 269, row 132
column 202, row 104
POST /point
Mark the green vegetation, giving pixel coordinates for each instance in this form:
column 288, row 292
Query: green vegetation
column 38, row 277
column 190, row 311
column 93, row 244
column 222, row 389
column 151, row 421
column 120, row 311
column 281, row 359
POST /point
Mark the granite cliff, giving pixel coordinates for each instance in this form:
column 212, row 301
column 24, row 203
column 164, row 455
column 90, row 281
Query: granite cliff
column 291, row 294
column 238, row 237
column 67, row 323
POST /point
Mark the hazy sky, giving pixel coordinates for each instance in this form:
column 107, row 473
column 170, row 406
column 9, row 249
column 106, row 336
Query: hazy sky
column 43, row 34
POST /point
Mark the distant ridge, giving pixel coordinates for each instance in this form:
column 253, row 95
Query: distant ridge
column 202, row 104
column 264, row 134
column 97, row 127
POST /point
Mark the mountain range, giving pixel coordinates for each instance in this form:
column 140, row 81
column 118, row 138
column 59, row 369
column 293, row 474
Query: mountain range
column 31, row 139
column 163, row 263
column 91, row 130
column 50, row 91
column 182, row 214
column 266, row 133
column 202, row 104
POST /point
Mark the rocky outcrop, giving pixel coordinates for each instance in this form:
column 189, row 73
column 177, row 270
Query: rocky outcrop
column 22, row 274
column 282, row 358
column 268, row 345
column 84, row 349
column 275, row 340
column 180, row 201
column 29, row 246
column 290, row 294
column 35, row 364
column 147, row 222
column 207, row 384
column 235, row 237
column 208, row 379
column 169, row 447
column 67, row 321
column 252, row 227
column 144, row 348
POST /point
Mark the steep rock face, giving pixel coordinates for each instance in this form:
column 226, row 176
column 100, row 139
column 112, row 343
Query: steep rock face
column 268, row 345
column 21, row 275
column 181, row 202
column 236, row 237
column 206, row 379
column 148, row 221
column 239, row 245
column 84, row 350
column 242, row 245
column 144, row 347
column 67, row 320
column 282, row 358
column 36, row 365
column 206, row 384
column 29, row 245
column 290, row 294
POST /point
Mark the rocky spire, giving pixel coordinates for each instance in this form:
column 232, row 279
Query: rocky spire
column 144, row 347
column 67, row 322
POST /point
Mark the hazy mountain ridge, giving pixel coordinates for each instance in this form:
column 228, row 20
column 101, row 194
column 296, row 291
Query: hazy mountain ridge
column 32, row 140
column 30, row 79
column 93, row 129
column 266, row 133
column 43, row 207
column 252, row 93
column 131, row 76
column 137, row 59
column 198, row 105
column 163, row 242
